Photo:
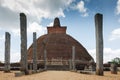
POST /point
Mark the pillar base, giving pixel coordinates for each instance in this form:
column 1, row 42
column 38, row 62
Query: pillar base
column 19, row 74
column 7, row 71
column 26, row 72
column 99, row 72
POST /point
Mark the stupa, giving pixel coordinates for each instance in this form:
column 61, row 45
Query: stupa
column 58, row 45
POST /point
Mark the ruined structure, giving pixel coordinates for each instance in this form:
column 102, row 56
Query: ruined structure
column 55, row 49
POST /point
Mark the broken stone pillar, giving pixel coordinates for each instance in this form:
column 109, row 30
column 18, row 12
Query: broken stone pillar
column 34, row 52
column 45, row 59
column 99, row 43
column 114, row 68
column 91, row 65
column 73, row 57
column 23, row 31
column 7, row 52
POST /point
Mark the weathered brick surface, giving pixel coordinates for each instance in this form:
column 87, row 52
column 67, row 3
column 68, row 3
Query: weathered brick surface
column 58, row 45
column 56, row 30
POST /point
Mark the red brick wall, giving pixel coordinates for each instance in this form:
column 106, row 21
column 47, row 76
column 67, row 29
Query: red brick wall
column 56, row 30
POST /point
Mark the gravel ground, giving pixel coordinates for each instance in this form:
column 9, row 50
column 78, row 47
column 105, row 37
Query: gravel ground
column 59, row 75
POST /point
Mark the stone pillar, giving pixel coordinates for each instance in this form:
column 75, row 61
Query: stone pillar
column 114, row 68
column 23, row 31
column 91, row 65
column 45, row 59
column 70, row 64
column 99, row 44
column 7, row 52
column 31, row 66
column 73, row 57
column 34, row 52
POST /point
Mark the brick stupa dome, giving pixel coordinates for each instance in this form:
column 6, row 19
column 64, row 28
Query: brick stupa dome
column 58, row 45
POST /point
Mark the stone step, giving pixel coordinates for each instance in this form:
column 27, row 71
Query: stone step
column 87, row 72
column 58, row 67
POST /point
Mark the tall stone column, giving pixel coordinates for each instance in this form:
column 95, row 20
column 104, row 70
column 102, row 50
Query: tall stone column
column 99, row 43
column 73, row 57
column 23, row 31
column 7, row 52
column 45, row 59
column 34, row 52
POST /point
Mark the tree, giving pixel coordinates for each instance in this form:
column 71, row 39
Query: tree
column 116, row 60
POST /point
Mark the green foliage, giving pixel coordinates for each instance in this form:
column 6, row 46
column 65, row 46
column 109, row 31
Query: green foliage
column 116, row 60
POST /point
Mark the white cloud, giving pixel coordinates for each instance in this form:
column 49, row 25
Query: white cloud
column 35, row 11
column 32, row 27
column 35, row 27
column 16, row 32
column 38, row 8
column 15, row 57
column 109, row 54
column 115, row 34
column 1, row 55
column 85, row 14
column 81, row 8
column 2, row 37
column 50, row 24
column 118, row 7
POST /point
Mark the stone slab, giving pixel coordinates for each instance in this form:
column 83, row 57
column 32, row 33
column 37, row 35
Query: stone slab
column 18, row 74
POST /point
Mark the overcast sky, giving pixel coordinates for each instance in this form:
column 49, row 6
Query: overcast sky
column 77, row 15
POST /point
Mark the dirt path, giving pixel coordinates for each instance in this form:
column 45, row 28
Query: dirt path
column 59, row 75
